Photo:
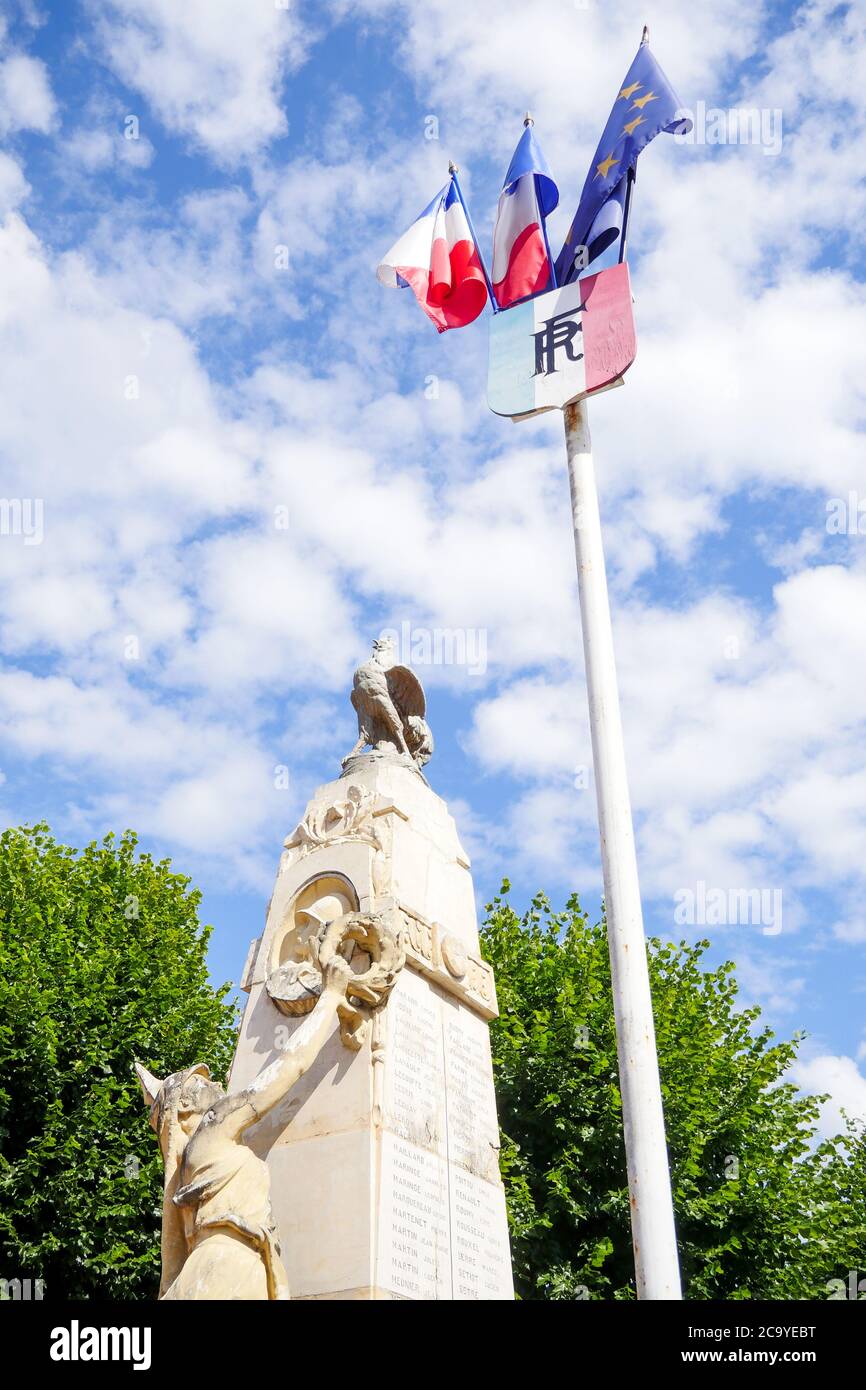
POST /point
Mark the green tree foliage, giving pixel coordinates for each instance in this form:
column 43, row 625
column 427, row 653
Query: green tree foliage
column 763, row 1210
column 102, row 960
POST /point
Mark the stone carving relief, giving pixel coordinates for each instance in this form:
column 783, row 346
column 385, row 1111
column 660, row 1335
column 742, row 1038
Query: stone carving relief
column 378, row 958
column 320, row 901
column 454, row 956
column 442, row 956
column 348, row 818
column 377, row 953
column 218, row 1235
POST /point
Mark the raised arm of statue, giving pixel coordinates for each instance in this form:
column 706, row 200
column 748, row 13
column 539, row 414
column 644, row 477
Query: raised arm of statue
column 218, row 1236
column 235, row 1113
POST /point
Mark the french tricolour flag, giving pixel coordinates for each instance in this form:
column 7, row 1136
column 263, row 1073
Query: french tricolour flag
column 521, row 260
column 438, row 260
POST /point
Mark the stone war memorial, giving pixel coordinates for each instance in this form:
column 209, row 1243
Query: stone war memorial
column 355, row 1154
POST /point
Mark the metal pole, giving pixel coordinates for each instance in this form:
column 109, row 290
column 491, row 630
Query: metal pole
column 452, row 169
column 652, row 1216
column 626, row 214
column 550, row 260
column 631, row 176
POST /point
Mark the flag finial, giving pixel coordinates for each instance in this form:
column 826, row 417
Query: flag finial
column 452, row 167
column 645, row 38
column 527, row 119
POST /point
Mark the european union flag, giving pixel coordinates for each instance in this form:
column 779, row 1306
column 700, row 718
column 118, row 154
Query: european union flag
column 646, row 106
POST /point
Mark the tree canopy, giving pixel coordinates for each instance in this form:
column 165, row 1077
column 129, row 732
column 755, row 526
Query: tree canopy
column 102, row 960
column 763, row 1209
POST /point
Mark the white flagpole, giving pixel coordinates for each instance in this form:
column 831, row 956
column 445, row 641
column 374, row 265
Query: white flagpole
column 652, row 1216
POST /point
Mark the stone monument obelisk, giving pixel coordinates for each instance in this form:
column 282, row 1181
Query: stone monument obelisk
column 383, row 1157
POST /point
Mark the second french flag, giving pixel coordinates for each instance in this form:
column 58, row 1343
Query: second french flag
column 521, row 257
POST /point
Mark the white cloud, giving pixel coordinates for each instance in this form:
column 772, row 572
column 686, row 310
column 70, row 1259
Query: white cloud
column 716, row 745
column 26, row 101
column 541, row 833
column 459, row 55
column 14, row 187
column 842, row 1080
column 531, row 729
column 210, row 73
column 738, row 767
column 791, row 556
column 186, row 271
column 271, row 614
column 770, row 981
column 97, row 149
column 136, row 489
column 160, row 503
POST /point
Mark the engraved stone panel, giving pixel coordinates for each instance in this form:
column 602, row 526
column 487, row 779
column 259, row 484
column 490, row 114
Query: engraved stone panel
column 414, row 1099
column 414, row 1222
column 473, row 1132
column 442, row 1230
column 480, row 1259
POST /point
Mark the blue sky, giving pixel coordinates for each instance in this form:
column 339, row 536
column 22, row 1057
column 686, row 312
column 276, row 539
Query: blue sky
column 171, row 388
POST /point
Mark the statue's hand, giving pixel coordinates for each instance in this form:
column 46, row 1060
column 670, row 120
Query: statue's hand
column 368, row 989
column 336, row 973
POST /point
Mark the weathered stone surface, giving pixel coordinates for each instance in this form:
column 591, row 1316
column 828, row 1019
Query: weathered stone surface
column 219, row 1240
column 384, row 1163
column 355, row 1155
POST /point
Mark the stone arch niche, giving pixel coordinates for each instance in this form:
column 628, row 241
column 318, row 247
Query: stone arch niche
column 294, row 982
column 321, row 899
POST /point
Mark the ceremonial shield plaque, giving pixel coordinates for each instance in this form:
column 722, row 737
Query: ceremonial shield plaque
column 561, row 346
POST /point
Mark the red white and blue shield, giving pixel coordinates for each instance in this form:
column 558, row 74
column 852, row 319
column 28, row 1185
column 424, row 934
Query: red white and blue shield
column 561, row 346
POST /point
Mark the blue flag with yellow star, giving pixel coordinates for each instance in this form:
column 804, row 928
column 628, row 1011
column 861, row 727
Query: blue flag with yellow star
column 646, row 105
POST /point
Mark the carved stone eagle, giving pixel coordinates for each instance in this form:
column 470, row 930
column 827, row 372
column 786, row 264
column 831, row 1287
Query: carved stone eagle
column 390, row 703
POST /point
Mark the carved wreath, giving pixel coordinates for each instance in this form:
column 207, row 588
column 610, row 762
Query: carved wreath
column 295, row 986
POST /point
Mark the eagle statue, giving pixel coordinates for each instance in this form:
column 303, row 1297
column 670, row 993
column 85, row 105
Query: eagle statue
column 390, row 704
